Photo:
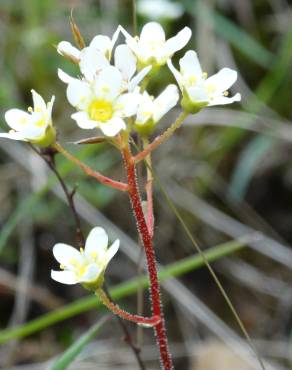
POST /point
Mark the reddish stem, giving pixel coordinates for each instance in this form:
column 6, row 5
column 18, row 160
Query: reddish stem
column 149, row 190
column 140, row 320
column 151, row 260
column 150, row 215
column 89, row 171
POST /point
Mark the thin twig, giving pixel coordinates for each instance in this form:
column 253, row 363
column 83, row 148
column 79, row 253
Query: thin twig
column 49, row 159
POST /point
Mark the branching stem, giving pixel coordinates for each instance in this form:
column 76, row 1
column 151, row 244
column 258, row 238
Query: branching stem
column 162, row 138
column 89, row 171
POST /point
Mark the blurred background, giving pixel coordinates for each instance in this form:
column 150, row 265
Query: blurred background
column 228, row 171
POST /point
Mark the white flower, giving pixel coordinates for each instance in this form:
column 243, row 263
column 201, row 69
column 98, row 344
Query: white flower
column 198, row 90
column 152, row 48
column 150, row 110
column 160, row 9
column 100, row 103
column 34, row 126
column 100, row 42
column 85, row 266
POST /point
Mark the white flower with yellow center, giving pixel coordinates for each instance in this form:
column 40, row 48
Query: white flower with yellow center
column 100, row 103
column 88, row 265
column 151, row 110
column 34, row 126
column 152, row 47
column 198, row 90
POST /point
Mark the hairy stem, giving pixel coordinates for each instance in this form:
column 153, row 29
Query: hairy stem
column 162, row 138
column 140, row 320
column 146, row 238
column 149, row 191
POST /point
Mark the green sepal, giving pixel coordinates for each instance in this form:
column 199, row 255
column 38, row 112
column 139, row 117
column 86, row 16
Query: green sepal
column 146, row 128
column 47, row 139
column 190, row 106
column 93, row 285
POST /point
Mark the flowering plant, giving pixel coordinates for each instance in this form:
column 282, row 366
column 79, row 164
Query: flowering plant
column 110, row 94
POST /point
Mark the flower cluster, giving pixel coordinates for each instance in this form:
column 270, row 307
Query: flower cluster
column 110, row 94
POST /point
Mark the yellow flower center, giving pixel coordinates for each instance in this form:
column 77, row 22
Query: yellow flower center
column 100, row 110
column 211, row 89
column 40, row 123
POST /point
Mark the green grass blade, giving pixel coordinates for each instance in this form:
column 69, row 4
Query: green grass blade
column 71, row 353
column 121, row 291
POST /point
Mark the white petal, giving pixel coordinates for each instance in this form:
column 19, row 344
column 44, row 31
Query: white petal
column 175, row 73
column 38, row 102
column 197, row 94
column 92, row 61
column 145, row 109
column 49, row 110
column 34, row 132
column 91, row 274
column 177, row 42
column 65, row 254
column 138, row 78
column 108, row 84
column 79, row 94
column 223, row 100
column 190, row 65
column 83, row 121
column 152, row 31
column 113, row 250
column 64, row 77
column 165, row 101
column 96, row 240
column 222, row 80
column 125, row 61
column 13, row 136
column 66, row 49
column 127, row 104
column 17, row 119
column 113, row 126
column 64, row 277
column 116, row 36
column 102, row 43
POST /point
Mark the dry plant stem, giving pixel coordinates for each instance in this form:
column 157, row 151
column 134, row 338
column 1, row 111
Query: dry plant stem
column 141, row 320
column 146, row 238
column 89, row 171
column 162, row 138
